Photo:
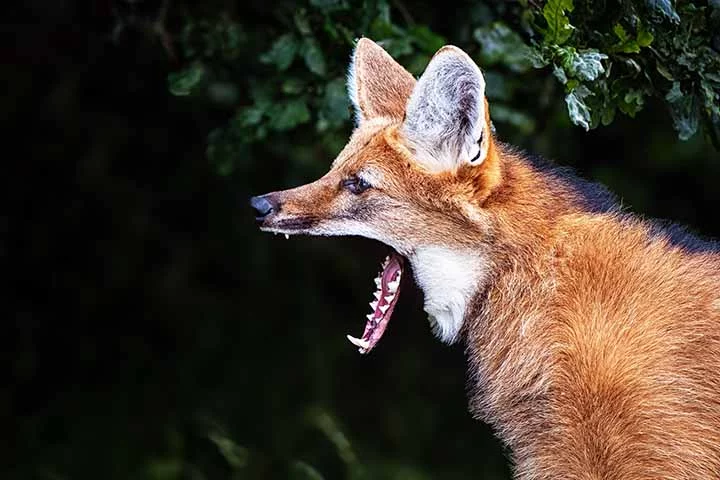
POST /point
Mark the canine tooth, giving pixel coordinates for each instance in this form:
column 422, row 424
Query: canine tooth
column 363, row 344
column 392, row 286
column 390, row 298
column 287, row 237
column 384, row 308
column 377, row 295
column 373, row 304
column 370, row 317
column 378, row 282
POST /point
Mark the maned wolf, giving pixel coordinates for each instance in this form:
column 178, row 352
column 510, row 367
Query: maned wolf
column 593, row 336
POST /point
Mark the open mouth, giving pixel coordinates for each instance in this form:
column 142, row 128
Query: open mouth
column 387, row 291
column 387, row 288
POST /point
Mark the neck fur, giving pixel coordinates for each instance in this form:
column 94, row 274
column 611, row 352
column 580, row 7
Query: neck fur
column 509, row 354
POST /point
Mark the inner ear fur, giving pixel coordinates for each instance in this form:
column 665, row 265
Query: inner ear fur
column 447, row 119
column 378, row 86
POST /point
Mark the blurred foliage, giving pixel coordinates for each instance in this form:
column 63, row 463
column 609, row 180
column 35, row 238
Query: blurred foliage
column 153, row 333
column 607, row 57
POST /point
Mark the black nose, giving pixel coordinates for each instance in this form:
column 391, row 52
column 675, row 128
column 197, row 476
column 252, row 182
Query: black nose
column 263, row 207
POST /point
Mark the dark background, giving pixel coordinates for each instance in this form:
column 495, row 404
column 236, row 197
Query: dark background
column 152, row 332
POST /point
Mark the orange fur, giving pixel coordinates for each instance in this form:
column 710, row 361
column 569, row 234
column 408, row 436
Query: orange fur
column 595, row 352
column 594, row 342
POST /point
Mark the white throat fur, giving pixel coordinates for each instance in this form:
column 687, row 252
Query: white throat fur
column 449, row 278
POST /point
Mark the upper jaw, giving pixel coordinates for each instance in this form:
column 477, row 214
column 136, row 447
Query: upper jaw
column 328, row 227
column 285, row 231
column 289, row 226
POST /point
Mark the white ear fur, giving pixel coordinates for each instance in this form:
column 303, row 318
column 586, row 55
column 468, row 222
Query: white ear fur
column 445, row 122
column 352, row 89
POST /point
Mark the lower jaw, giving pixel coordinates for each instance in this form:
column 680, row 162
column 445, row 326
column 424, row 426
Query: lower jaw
column 385, row 298
column 387, row 286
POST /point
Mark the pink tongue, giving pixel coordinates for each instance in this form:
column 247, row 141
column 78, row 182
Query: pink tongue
column 385, row 298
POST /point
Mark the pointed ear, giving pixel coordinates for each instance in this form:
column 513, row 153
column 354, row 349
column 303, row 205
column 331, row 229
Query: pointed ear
column 378, row 86
column 447, row 123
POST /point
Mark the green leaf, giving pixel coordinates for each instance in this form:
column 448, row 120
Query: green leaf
column 675, row 94
column 608, row 115
column 586, row 64
column 632, row 64
column 712, row 77
column 249, row 116
column 577, row 109
column 428, row 41
column 620, row 32
column 282, row 52
column 398, row 47
column 164, row 468
column 632, row 102
column 304, row 471
column 537, row 59
column 665, row 7
column 559, row 29
column 518, row 119
column 626, row 43
column 631, row 46
column 293, row 86
column 502, row 45
column 560, row 74
column 262, row 94
column 685, row 119
column 289, row 115
column 183, row 83
column 662, row 70
column 711, row 97
column 301, row 22
column 497, row 86
column 334, row 109
column 644, row 37
column 235, row 455
column 225, row 94
column 684, row 112
column 313, row 56
column 329, row 5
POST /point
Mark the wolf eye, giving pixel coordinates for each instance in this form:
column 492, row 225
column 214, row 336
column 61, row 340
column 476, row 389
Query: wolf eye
column 355, row 184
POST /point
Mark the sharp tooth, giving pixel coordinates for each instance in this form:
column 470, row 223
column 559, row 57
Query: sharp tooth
column 378, row 282
column 363, row 344
column 373, row 304
column 384, row 308
column 377, row 295
column 287, row 236
column 370, row 317
column 392, row 286
column 389, row 298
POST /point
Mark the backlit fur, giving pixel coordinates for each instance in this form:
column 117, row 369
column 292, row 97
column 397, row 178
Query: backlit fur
column 445, row 121
column 593, row 337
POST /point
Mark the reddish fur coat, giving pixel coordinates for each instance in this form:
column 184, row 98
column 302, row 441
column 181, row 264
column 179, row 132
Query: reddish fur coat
column 594, row 336
column 595, row 349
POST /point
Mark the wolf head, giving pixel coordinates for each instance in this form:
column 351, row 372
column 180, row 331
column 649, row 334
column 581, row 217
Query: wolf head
column 415, row 175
